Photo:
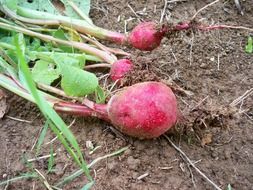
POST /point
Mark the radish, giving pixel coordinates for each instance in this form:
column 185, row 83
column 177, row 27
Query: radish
column 145, row 110
column 146, row 36
column 120, row 68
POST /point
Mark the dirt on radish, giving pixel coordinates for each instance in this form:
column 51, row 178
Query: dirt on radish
column 212, row 65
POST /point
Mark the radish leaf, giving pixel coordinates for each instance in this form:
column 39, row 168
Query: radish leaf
column 61, row 35
column 100, row 95
column 11, row 4
column 84, row 6
column 44, row 72
column 77, row 82
column 39, row 5
column 78, row 61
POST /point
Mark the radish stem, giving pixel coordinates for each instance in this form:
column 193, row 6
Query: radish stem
column 101, row 65
column 97, row 110
column 81, row 46
column 43, row 18
column 46, row 55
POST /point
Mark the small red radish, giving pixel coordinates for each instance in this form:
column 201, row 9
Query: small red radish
column 120, row 68
column 145, row 110
column 146, row 36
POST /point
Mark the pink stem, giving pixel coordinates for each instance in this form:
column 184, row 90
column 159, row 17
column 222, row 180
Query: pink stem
column 99, row 110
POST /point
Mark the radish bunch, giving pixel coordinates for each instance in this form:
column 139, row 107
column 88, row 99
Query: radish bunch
column 145, row 110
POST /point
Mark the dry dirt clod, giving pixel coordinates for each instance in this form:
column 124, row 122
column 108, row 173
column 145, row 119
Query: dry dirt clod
column 133, row 163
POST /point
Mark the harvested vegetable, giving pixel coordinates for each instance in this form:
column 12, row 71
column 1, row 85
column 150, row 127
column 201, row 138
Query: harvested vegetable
column 120, row 68
column 146, row 36
column 144, row 110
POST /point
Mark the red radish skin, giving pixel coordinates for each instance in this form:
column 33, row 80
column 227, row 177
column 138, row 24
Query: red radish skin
column 144, row 110
column 146, row 36
column 120, row 68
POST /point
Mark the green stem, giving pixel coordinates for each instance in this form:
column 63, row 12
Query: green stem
column 43, row 18
column 7, row 46
column 81, row 46
column 10, row 85
column 46, row 55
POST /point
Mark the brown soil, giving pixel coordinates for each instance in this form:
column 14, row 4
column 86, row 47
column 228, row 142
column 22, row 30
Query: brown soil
column 212, row 65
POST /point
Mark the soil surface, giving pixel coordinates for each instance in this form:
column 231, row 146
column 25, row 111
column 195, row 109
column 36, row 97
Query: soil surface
column 212, row 65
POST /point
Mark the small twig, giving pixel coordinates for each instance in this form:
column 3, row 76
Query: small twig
column 206, row 6
column 238, row 6
column 164, row 9
column 166, row 168
column 44, row 180
column 17, row 119
column 204, row 99
column 192, row 164
column 176, row 87
column 192, row 40
column 175, row 1
column 218, row 62
column 142, row 176
column 138, row 17
column 242, row 97
column 40, row 158
column 36, row 138
column 191, row 174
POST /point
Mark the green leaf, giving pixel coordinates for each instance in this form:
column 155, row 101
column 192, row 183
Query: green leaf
column 58, row 126
column 39, row 5
column 100, row 95
column 77, row 82
column 83, row 5
column 5, row 67
column 61, row 35
column 229, row 187
column 88, row 185
column 21, row 177
column 42, row 137
column 67, row 59
column 51, row 159
column 249, row 46
column 45, row 72
column 11, row 4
